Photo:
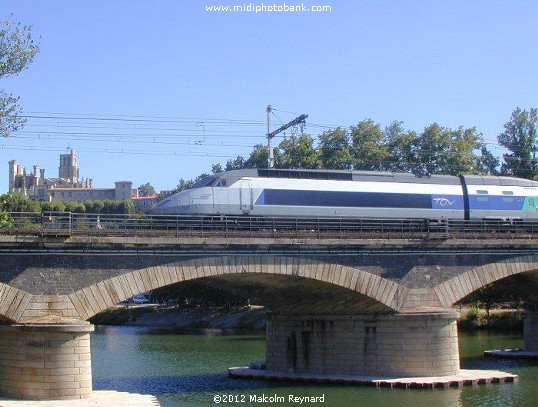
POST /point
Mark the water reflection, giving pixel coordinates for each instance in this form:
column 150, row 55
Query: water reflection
column 189, row 370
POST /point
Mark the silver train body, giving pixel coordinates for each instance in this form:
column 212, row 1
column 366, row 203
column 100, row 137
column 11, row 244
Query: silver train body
column 324, row 193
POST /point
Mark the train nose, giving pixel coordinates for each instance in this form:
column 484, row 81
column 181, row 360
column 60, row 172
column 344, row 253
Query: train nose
column 172, row 204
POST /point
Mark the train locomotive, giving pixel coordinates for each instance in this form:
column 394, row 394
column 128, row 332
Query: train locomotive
column 358, row 194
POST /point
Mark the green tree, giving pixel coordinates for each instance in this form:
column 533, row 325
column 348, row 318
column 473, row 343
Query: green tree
column 112, row 207
column 146, row 189
column 216, row 168
column 258, row 157
column 75, row 207
column 297, row 152
column 126, row 206
column 17, row 51
column 520, row 138
column 367, row 148
column 431, row 150
column 53, row 207
column 334, row 150
column 462, row 159
column 94, row 206
column 440, row 150
column 187, row 184
column 399, row 143
column 236, row 164
column 18, row 203
column 184, row 184
column 487, row 163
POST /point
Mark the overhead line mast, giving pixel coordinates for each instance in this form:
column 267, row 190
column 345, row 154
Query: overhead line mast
column 300, row 120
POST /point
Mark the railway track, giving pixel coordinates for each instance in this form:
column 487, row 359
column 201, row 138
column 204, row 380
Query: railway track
column 63, row 224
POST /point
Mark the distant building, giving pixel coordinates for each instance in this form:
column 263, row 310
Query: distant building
column 67, row 187
column 144, row 203
column 122, row 191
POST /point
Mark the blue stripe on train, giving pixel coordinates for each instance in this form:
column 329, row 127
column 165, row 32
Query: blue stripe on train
column 496, row 202
column 290, row 197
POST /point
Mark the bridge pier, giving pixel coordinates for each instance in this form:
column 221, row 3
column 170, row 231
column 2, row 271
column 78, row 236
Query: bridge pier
column 402, row 345
column 530, row 329
column 46, row 359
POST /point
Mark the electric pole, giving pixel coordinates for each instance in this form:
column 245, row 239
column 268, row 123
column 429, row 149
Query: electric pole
column 300, row 120
column 271, row 158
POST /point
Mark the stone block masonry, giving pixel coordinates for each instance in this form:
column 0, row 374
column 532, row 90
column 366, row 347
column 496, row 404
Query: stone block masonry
column 403, row 345
column 48, row 359
column 531, row 330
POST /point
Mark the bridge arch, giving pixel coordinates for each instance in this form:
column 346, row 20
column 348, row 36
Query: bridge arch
column 13, row 302
column 96, row 298
column 455, row 289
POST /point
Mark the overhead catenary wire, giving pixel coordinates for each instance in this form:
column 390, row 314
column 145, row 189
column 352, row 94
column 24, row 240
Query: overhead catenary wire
column 159, row 131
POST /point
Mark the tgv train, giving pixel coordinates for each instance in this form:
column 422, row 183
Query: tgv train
column 324, row 193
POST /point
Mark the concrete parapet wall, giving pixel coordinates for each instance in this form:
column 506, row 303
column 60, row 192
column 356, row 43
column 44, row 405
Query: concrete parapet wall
column 424, row 344
column 44, row 362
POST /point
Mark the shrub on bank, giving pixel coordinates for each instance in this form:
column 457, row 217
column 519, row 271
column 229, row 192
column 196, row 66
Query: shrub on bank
column 475, row 318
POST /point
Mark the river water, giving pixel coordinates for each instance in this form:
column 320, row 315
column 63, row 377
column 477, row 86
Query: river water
column 190, row 370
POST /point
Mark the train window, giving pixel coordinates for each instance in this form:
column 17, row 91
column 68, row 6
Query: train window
column 482, row 199
column 508, row 199
column 307, row 174
column 531, row 203
column 205, row 182
column 482, row 192
column 508, row 193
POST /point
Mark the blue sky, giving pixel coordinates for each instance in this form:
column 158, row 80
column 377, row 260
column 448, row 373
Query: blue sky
column 155, row 91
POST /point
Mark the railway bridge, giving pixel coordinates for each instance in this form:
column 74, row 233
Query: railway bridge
column 353, row 303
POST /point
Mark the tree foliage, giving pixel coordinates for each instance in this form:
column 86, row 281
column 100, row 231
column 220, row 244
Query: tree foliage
column 487, row 163
column 17, row 203
column 235, row 164
column 439, row 150
column 146, row 190
column 334, row 150
column 367, row 146
column 17, row 50
column 186, row 184
column 399, row 143
column 520, row 138
column 368, row 152
column 258, row 157
column 297, row 152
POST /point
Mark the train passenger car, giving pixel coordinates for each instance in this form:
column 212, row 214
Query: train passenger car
column 488, row 197
column 323, row 193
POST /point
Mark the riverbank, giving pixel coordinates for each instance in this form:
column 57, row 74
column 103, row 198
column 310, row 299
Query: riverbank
column 472, row 318
column 165, row 316
column 253, row 317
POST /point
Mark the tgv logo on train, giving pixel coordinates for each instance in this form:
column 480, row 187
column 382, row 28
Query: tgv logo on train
column 443, row 201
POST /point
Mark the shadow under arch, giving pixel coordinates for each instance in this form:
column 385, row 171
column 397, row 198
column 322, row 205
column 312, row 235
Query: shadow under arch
column 457, row 288
column 296, row 279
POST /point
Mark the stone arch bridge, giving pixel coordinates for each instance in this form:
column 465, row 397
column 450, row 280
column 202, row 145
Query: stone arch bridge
column 375, row 307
